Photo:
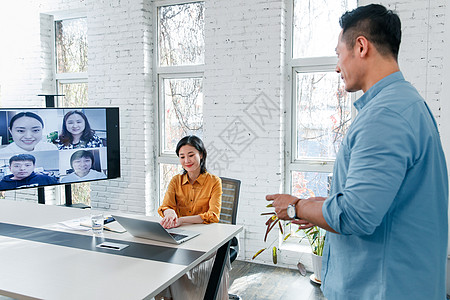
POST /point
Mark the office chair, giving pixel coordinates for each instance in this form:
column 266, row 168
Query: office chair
column 228, row 213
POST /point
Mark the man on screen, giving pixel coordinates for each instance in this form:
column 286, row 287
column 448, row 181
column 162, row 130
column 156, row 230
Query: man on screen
column 23, row 175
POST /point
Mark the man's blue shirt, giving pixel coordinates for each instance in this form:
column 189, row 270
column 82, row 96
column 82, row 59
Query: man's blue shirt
column 388, row 201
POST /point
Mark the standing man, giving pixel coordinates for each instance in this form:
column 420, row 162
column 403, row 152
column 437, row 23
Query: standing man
column 386, row 215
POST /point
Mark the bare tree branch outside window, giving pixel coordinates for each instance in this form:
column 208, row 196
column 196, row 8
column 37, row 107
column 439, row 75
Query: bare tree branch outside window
column 183, row 109
column 181, row 42
column 316, row 26
column 323, row 114
column 182, row 34
column 71, row 45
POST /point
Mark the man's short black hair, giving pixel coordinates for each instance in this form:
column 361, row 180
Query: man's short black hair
column 22, row 157
column 377, row 24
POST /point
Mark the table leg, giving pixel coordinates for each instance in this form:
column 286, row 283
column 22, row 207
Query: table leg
column 216, row 272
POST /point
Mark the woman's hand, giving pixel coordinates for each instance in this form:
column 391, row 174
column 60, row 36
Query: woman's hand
column 170, row 219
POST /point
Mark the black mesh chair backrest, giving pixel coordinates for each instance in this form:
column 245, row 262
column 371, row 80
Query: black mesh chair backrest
column 230, row 200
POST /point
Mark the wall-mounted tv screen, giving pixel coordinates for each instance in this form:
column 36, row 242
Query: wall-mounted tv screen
column 48, row 146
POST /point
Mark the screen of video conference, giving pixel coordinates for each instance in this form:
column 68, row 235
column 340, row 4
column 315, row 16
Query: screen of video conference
column 48, row 146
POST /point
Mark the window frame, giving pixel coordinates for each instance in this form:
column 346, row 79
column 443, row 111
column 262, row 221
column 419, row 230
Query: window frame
column 79, row 77
column 162, row 73
column 292, row 163
column 64, row 78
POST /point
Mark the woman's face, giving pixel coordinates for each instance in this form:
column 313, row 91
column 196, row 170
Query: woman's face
column 75, row 124
column 26, row 132
column 189, row 158
column 81, row 166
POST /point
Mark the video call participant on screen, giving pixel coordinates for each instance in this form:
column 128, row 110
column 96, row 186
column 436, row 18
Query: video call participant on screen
column 26, row 131
column 193, row 197
column 23, row 175
column 82, row 162
column 77, row 133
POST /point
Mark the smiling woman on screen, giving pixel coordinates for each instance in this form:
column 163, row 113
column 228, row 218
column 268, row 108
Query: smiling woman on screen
column 77, row 132
column 26, row 131
column 193, row 197
column 81, row 162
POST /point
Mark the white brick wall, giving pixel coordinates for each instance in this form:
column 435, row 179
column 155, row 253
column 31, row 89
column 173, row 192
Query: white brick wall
column 244, row 89
column 244, row 71
column 120, row 55
column 422, row 47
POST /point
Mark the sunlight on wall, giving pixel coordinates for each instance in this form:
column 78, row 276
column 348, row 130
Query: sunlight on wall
column 20, row 38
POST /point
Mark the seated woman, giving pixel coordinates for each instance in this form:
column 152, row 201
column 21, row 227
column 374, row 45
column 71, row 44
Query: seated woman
column 81, row 162
column 193, row 197
column 77, row 133
column 26, row 131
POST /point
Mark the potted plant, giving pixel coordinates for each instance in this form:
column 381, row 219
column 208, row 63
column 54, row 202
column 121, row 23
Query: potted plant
column 316, row 239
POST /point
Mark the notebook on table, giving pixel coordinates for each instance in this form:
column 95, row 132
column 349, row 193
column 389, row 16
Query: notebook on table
column 153, row 230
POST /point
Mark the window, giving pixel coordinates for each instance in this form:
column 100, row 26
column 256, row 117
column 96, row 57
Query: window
column 179, row 67
column 321, row 109
column 71, row 56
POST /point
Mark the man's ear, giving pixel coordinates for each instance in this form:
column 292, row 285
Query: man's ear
column 362, row 45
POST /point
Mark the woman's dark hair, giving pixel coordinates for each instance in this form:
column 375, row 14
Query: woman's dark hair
column 82, row 153
column 380, row 26
column 25, row 114
column 66, row 137
column 197, row 143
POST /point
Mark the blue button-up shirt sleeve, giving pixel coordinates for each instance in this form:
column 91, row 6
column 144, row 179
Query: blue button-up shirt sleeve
column 380, row 157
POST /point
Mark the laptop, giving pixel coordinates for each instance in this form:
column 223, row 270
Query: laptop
column 153, row 230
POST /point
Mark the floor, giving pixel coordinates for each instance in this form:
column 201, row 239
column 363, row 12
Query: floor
column 259, row 282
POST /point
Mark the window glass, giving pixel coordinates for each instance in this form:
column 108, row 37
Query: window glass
column 166, row 172
column 75, row 94
column 180, row 61
column 71, row 45
column 306, row 185
column 183, row 110
column 323, row 114
column 310, row 184
column 181, row 36
column 316, row 26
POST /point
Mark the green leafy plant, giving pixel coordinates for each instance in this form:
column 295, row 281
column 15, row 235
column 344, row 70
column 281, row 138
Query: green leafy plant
column 52, row 136
column 315, row 236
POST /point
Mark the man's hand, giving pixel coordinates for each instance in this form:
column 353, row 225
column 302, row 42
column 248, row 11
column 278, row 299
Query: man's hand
column 308, row 210
column 280, row 204
column 303, row 224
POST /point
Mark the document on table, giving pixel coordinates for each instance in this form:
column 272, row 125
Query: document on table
column 84, row 224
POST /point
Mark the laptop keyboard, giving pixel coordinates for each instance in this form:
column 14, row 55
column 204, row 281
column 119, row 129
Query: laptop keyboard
column 177, row 236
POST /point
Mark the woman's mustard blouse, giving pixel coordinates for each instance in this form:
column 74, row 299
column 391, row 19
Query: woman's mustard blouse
column 203, row 198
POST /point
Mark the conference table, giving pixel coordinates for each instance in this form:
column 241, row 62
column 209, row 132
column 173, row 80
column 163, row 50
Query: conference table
column 41, row 257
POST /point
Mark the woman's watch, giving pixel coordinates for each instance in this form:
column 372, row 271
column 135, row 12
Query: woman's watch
column 291, row 212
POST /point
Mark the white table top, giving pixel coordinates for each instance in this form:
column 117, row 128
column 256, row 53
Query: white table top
column 31, row 269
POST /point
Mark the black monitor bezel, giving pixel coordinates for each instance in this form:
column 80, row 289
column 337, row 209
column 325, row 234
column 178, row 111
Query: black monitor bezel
column 112, row 136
